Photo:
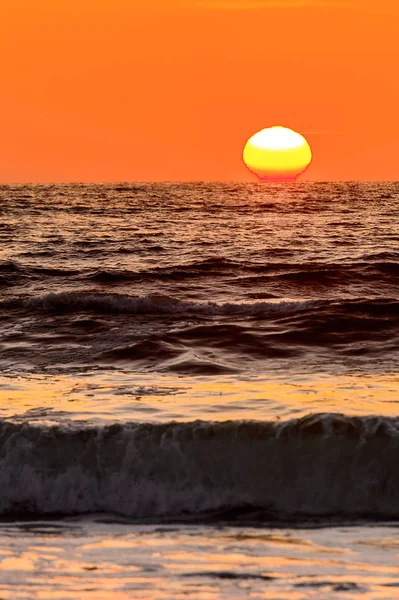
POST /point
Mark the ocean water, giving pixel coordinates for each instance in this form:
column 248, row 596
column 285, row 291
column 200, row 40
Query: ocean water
column 199, row 391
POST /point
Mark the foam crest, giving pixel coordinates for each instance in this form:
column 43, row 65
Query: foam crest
column 156, row 304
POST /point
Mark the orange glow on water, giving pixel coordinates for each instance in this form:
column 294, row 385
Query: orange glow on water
column 42, row 400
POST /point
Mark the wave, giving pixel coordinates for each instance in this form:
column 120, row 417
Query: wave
column 18, row 273
column 249, row 272
column 161, row 304
column 211, row 267
column 223, row 347
column 156, row 304
column 366, row 268
column 199, row 338
column 322, row 465
column 10, row 267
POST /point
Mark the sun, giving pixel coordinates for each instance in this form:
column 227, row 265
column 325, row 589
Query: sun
column 277, row 154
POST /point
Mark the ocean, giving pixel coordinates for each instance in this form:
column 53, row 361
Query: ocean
column 199, row 391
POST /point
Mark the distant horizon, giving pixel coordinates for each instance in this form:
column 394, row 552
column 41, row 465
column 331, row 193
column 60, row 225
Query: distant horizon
column 194, row 181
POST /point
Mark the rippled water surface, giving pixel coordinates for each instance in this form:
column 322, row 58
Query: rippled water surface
column 223, row 355
column 165, row 562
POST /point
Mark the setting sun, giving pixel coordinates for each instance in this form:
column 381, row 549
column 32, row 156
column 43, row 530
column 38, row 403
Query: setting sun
column 277, row 153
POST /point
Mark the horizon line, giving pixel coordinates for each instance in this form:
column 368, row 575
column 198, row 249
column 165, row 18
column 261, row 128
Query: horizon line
column 191, row 181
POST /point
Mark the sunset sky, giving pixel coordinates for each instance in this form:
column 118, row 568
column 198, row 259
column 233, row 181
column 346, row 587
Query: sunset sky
column 117, row 90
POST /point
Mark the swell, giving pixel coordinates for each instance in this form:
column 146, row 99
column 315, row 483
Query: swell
column 114, row 303
column 383, row 267
column 197, row 338
column 318, row 466
column 215, row 347
column 16, row 273
column 252, row 274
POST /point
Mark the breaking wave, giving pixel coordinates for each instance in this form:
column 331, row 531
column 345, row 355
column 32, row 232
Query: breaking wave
column 326, row 465
column 156, row 304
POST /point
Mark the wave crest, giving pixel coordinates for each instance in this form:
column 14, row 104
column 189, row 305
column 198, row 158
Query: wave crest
column 155, row 304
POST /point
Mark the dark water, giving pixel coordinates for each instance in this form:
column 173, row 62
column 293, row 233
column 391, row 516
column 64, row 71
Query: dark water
column 205, row 281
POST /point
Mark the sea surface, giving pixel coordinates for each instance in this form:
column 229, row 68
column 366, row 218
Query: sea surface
column 199, row 391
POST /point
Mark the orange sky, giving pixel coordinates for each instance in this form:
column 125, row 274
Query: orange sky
column 112, row 90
